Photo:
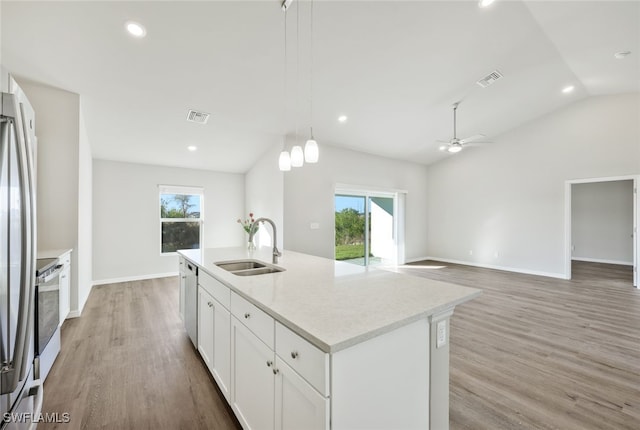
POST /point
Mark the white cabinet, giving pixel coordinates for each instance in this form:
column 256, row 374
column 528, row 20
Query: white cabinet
column 221, row 359
column 64, row 295
column 252, row 379
column 183, row 279
column 205, row 326
column 297, row 404
column 214, row 330
column 267, row 393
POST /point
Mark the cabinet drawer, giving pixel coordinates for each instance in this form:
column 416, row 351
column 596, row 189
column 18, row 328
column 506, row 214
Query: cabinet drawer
column 310, row 362
column 217, row 289
column 255, row 319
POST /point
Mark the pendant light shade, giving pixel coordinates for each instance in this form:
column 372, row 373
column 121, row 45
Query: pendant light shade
column 297, row 156
column 284, row 162
column 311, row 153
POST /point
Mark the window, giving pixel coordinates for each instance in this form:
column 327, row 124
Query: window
column 180, row 218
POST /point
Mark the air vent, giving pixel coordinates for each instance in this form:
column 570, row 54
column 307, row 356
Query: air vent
column 199, row 117
column 490, row 79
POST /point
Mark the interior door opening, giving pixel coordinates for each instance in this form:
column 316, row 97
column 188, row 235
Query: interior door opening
column 601, row 223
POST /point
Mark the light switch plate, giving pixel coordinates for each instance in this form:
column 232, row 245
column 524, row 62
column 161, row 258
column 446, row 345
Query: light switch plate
column 314, row 226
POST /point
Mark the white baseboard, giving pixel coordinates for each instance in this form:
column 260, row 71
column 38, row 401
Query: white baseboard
column 74, row 314
column 415, row 259
column 134, row 278
column 496, row 267
column 600, row 260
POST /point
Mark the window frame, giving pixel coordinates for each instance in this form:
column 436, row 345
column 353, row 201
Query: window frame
column 185, row 190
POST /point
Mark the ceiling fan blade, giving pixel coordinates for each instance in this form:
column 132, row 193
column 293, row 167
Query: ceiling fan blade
column 472, row 138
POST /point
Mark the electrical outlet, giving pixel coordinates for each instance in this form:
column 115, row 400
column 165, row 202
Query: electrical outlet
column 471, row 252
column 441, row 333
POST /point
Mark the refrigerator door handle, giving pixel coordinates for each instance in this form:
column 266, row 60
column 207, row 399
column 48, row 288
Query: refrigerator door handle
column 38, row 391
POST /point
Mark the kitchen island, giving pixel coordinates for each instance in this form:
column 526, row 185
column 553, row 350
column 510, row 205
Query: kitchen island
column 325, row 344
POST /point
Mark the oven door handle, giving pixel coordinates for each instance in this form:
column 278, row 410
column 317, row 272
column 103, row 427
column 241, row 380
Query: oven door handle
column 52, row 275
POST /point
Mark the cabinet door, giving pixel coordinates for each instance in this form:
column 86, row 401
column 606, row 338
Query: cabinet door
column 64, row 294
column 205, row 327
column 252, row 379
column 221, row 347
column 297, row 404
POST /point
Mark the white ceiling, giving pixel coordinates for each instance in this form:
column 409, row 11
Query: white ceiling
column 395, row 68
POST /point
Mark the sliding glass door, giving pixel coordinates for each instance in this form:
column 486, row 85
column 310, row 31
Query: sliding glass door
column 365, row 228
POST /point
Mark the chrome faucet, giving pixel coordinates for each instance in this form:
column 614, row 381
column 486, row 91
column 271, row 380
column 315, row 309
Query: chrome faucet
column 254, row 229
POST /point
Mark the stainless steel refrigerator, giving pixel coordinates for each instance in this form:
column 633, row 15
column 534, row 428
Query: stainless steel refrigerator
column 21, row 396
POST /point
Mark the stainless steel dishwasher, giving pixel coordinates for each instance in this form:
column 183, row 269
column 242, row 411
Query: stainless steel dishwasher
column 191, row 302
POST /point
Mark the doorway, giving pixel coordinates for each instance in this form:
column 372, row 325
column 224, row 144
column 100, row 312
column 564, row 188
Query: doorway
column 601, row 222
column 366, row 227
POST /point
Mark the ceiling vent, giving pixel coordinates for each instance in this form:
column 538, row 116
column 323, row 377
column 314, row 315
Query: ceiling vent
column 489, row 79
column 199, row 117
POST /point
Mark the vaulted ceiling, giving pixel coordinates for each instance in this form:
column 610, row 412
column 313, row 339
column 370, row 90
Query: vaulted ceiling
column 394, row 68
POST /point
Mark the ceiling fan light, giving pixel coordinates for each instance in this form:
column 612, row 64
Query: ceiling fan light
column 454, row 148
column 284, row 162
column 311, row 153
column 297, row 156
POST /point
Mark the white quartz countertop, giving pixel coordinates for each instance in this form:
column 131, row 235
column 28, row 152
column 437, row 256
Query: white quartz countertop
column 52, row 253
column 332, row 304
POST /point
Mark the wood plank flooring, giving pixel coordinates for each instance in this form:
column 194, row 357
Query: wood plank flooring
column 541, row 353
column 530, row 353
column 127, row 363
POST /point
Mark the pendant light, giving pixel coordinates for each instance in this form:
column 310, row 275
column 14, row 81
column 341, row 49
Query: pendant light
column 284, row 161
column 311, row 153
column 297, row 157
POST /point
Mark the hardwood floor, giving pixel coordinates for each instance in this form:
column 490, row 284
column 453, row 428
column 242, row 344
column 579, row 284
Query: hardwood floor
column 530, row 353
column 127, row 363
column 541, row 353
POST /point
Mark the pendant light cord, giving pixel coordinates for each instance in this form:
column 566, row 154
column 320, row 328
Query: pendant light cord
column 297, row 114
column 311, row 73
column 284, row 86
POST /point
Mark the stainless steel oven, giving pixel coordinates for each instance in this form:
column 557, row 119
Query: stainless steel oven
column 47, row 315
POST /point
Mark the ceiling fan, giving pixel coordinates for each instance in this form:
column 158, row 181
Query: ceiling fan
column 455, row 145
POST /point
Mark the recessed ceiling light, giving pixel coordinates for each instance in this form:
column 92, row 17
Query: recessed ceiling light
column 622, row 55
column 192, row 148
column 342, row 118
column 568, row 89
column 135, row 29
column 485, row 3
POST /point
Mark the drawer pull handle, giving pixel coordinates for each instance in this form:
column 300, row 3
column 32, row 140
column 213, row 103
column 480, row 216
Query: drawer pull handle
column 294, row 354
column 269, row 363
column 247, row 315
column 276, row 371
column 210, row 304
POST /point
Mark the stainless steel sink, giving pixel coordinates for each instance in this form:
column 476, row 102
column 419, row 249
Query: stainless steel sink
column 248, row 267
column 258, row 271
column 232, row 266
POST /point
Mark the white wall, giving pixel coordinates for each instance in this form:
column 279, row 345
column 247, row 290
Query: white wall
column 63, row 220
column 504, row 202
column 85, row 216
column 264, row 188
column 309, row 197
column 602, row 221
column 126, row 216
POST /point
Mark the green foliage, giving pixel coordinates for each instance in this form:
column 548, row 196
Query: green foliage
column 180, row 235
column 349, row 227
